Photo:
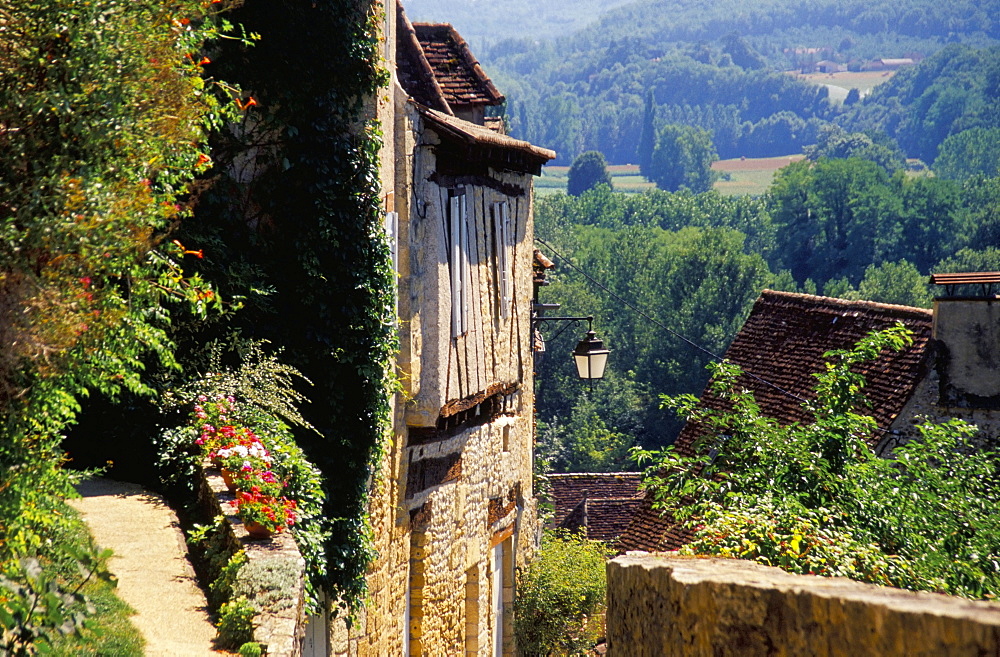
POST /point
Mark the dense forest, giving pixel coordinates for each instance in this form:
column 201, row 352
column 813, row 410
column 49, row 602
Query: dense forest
column 671, row 277
column 723, row 67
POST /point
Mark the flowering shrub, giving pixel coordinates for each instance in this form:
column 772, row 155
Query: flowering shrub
column 214, row 416
column 256, row 505
column 251, row 404
column 239, row 450
column 243, row 452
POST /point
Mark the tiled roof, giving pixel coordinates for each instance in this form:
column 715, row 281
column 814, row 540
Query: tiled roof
column 783, row 342
column 568, row 489
column 412, row 68
column 650, row 531
column 607, row 519
column 461, row 77
column 436, row 67
column 473, row 135
column 602, row 502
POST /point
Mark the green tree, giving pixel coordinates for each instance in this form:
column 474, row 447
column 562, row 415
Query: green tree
column 895, row 282
column 647, row 139
column 814, row 497
column 588, row 171
column 968, row 260
column 835, row 142
column 560, row 597
column 104, row 118
column 969, row 153
column 683, row 157
column 742, row 54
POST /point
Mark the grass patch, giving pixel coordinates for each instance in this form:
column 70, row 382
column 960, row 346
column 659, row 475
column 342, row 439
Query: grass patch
column 111, row 632
column 624, row 178
column 108, row 629
column 863, row 81
column 750, row 176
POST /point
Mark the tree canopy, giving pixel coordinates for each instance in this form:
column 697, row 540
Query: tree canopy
column 588, row 171
column 973, row 152
column 682, row 157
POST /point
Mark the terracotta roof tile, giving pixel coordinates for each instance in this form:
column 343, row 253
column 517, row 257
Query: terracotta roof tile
column 604, row 503
column 568, row 489
column 475, row 135
column 783, row 342
column 412, row 68
column 607, row 519
column 650, row 531
column 457, row 72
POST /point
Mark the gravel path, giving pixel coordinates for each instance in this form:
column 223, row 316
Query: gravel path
column 154, row 575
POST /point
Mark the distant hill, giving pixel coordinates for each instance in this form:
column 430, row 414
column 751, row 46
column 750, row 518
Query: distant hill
column 718, row 65
column 485, row 22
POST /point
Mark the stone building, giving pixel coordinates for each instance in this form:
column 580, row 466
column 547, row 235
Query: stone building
column 452, row 510
column 952, row 370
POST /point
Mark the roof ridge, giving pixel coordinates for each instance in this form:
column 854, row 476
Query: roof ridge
column 849, row 303
column 403, row 21
column 480, row 134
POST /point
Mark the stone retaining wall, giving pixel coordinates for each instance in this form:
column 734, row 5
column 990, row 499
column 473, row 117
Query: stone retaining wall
column 281, row 631
column 663, row 604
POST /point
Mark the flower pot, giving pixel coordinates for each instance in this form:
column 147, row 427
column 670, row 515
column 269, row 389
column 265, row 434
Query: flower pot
column 257, row 530
column 229, row 477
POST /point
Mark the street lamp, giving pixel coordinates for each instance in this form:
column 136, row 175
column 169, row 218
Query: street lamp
column 590, row 355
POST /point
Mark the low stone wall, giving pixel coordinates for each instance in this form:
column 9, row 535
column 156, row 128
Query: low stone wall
column 663, row 604
column 280, row 631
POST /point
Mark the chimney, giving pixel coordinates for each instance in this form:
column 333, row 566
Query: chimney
column 967, row 333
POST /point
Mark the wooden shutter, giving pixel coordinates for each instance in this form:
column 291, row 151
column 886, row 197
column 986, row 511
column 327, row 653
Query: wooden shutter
column 501, row 245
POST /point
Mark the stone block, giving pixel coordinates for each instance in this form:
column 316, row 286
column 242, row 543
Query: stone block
column 665, row 605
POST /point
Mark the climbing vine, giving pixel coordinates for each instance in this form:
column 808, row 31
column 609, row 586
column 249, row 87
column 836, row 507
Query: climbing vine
column 293, row 227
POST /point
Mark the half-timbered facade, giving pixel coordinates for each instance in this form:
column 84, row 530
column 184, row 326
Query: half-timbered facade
column 453, row 511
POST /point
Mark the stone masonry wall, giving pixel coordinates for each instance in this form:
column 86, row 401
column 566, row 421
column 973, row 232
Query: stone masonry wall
column 279, row 630
column 925, row 404
column 662, row 605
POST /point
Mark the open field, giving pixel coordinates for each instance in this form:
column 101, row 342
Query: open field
column 863, row 81
column 746, row 176
column 750, row 175
column 624, row 178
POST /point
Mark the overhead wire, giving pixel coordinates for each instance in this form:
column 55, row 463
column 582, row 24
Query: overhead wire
column 660, row 324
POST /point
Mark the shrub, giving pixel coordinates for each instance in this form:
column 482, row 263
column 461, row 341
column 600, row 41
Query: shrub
column 256, row 399
column 251, row 649
column 561, row 596
column 236, row 623
column 814, row 497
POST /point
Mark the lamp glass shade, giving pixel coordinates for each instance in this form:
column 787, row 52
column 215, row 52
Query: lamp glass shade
column 591, row 357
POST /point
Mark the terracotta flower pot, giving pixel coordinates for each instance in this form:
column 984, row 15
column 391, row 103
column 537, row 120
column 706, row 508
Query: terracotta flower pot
column 229, row 477
column 257, row 530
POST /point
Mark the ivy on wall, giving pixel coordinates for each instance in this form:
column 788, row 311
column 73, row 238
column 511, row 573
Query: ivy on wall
column 293, row 227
